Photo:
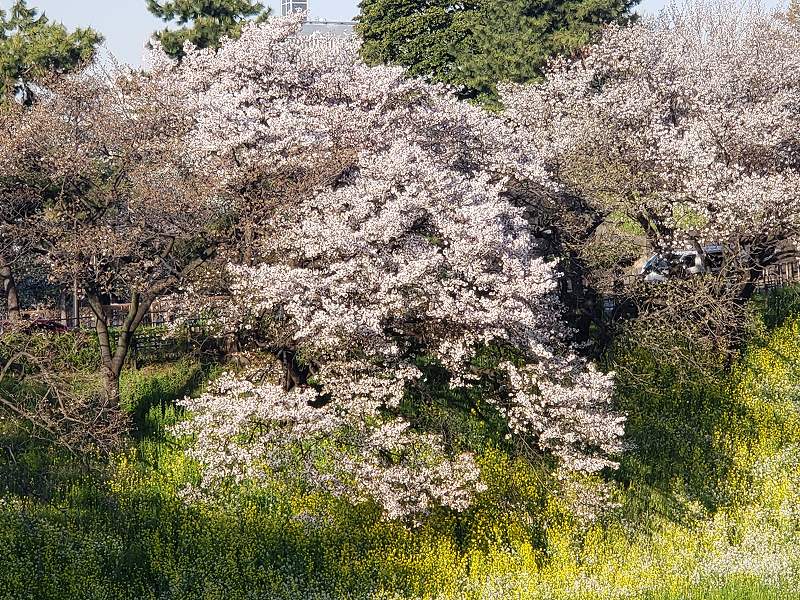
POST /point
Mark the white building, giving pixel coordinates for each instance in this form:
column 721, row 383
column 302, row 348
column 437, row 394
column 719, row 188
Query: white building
column 335, row 28
column 290, row 6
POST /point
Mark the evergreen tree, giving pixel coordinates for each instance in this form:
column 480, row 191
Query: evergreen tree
column 475, row 44
column 203, row 22
column 421, row 35
column 31, row 47
column 512, row 40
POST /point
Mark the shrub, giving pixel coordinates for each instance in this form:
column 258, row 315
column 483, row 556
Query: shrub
column 71, row 351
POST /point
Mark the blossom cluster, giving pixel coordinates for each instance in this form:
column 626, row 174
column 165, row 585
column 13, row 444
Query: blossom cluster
column 379, row 230
column 686, row 123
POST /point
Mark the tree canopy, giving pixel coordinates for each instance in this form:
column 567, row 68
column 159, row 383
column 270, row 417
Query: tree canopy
column 93, row 186
column 419, row 35
column 31, row 46
column 675, row 134
column 388, row 265
column 202, row 22
column 473, row 45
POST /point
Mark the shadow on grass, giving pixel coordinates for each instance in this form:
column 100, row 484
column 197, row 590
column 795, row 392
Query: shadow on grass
column 148, row 545
column 38, row 469
column 150, row 394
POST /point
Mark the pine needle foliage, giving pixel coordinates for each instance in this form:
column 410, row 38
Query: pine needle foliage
column 203, row 22
column 475, row 44
column 32, row 47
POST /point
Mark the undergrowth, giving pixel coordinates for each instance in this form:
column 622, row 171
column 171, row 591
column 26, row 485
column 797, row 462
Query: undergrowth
column 706, row 506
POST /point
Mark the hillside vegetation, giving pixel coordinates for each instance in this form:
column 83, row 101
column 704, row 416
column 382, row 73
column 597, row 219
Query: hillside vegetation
column 705, row 506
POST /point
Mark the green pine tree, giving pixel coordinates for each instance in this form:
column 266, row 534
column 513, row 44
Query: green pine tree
column 512, row 40
column 203, row 22
column 475, row 44
column 32, row 47
column 421, row 35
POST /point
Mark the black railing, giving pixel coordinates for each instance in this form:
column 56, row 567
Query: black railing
column 779, row 276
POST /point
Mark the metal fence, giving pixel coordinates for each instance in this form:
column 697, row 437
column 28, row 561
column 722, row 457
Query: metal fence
column 159, row 338
column 115, row 315
column 780, row 276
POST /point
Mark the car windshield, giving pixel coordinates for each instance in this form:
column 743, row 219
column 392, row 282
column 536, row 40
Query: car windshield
column 656, row 263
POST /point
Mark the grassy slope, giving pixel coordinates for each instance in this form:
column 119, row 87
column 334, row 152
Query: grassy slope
column 708, row 509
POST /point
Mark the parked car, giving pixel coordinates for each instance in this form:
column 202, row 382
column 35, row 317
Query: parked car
column 681, row 263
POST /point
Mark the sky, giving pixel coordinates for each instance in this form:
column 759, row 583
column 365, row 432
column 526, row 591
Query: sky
column 127, row 25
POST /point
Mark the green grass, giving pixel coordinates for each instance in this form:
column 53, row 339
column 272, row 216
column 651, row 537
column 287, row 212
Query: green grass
column 707, row 508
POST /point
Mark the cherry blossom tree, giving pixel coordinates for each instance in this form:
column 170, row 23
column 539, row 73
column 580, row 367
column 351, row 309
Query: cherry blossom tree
column 109, row 199
column 383, row 251
column 13, row 207
column 684, row 127
column 19, row 199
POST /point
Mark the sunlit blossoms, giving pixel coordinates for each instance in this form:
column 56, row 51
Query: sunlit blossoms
column 686, row 124
column 381, row 243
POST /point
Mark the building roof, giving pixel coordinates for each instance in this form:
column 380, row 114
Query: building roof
column 337, row 28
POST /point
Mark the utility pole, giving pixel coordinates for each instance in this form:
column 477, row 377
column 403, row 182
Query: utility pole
column 76, row 304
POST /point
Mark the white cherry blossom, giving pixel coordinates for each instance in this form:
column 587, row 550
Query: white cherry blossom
column 382, row 233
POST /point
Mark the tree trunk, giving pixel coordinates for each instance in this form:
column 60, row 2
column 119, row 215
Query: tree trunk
column 111, row 385
column 76, row 304
column 112, row 356
column 62, row 308
column 10, row 291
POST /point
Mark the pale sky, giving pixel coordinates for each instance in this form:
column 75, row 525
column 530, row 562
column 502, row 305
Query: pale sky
column 127, row 25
